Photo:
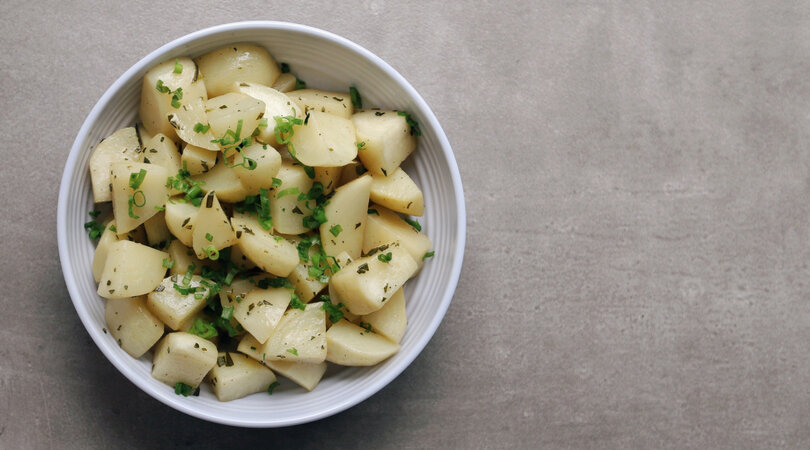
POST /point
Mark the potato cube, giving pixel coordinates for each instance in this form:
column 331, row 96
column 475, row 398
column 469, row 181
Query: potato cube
column 174, row 307
column 324, row 140
column 346, row 213
column 260, row 310
column 275, row 104
column 131, row 269
column 133, row 207
column 285, row 208
column 388, row 140
column 285, row 82
column 121, row 146
column 390, row 320
column 156, row 230
column 398, row 192
column 273, row 254
column 180, row 217
column 236, row 112
column 316, row 100
column 190, row 116
column 351, row 345
column 267, row 163
column 156, row 102
column 306, row 375
column 162, row 151
column 299, row 336
column 235, row 376
column 198, row 160
column 366, row 283
column 181, row 357
column 102, row 249
column 132, row 325
column 212, row 230
column 386, row 226
column 224, row 181
column 223, row 68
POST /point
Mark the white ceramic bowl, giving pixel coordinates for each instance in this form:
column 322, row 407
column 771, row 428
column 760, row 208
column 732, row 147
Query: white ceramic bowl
column 326, row 61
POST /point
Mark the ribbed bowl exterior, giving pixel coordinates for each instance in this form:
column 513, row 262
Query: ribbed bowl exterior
column 327, row 61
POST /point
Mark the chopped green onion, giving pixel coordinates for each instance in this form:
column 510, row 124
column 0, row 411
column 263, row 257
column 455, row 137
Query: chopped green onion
column 415, row 131
column 385, row 257
column 288, row 191
column 94, row 214
column 227, row 312
column 183, row 389
column 276, row 182
column 414, row 224
column 293, row 351
column 200, row 128
column 94, row 229
column 203, row 329
column 366, row 326
column 357, row 101
column 428, row 255
column 212, row 252
column 333, row 311
column 335, row 230
column 136, row 178
column 168, row 263
column 178, row 68
column 295, row 302
column 272, row 387
column 360, row 145
column 209, row 237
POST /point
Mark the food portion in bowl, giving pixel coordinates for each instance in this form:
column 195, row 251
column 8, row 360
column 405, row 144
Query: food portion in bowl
column 280, row 213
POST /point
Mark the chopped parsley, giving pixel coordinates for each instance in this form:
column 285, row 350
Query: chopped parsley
column 333, row 311
column 177, row 94
column 366, row 326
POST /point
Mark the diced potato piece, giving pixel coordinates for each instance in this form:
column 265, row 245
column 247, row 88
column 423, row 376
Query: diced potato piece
column 173, row 307
column 162, row 151
column 288, row 212
column 329, row 177
column 211, row 228
column 268, row 162
column 132, row 325
column 156, row 105
column 121, row 146
column 398, row 192
column 133, row 207
column 183, row 258
column 248, row 63
column 102, row 249
column 183, row 358
column 224, row 181
column 387, row 226
column 273, row 254
column 346, row 214
column 351, row 172
column 131, row 269
column 198, row 160
column 300, row 336
column 260, row 311
column 388, row 140
column 275, row 104
column 156, row 229
column 225, row 112
column 350, row 345
column 316, row 100
column 285, row 83
column 306, row 375
column 180, row 218
column 193, row 111
column 236, row 376
column 235, row 293
column 366, row 283
column 239, row 259
column 325, row 140
column 390, row 320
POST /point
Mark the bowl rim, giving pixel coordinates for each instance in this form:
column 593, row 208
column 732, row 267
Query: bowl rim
column 426, row 114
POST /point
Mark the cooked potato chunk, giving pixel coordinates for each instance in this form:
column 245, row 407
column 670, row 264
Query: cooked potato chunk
column 398, row 192
column 131, row 269
column 306, row 375
column 162, row 151
column 329, row 177
column 183, row 257
column 388, row 140
column 188, row 119
column 350, row 345
column 387, row 226
column 285, row 82
column 285, row 208
column 174, row 307
column 299, row 336
column 390, row 320
column 236, row 112
column 159, row 88
column 366, row 283
column 324, row 140
column 260, row 311
column 180, row 218
column 224, row 181
column 316, row 100
column 273, row 254
column 156, row 229
column 275, row 104
column 267, row 163
column 134, row 206
column 132, row 325
column 223, row 68
column 346, row 214
column 198, row 160
column 181, row 357
column 236, row 376
column 212, row 230
column 121, row 146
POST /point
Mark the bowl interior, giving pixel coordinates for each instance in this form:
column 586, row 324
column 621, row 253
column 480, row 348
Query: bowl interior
column 324, row 61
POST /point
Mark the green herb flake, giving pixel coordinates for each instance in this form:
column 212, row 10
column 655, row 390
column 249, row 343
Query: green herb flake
column 335, row 230
column 293, row 351
column 357, row 101
column 209, row 237
column 178, row 68
column 385, row 257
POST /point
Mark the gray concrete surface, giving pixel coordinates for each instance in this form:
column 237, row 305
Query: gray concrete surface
column 637, row 264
